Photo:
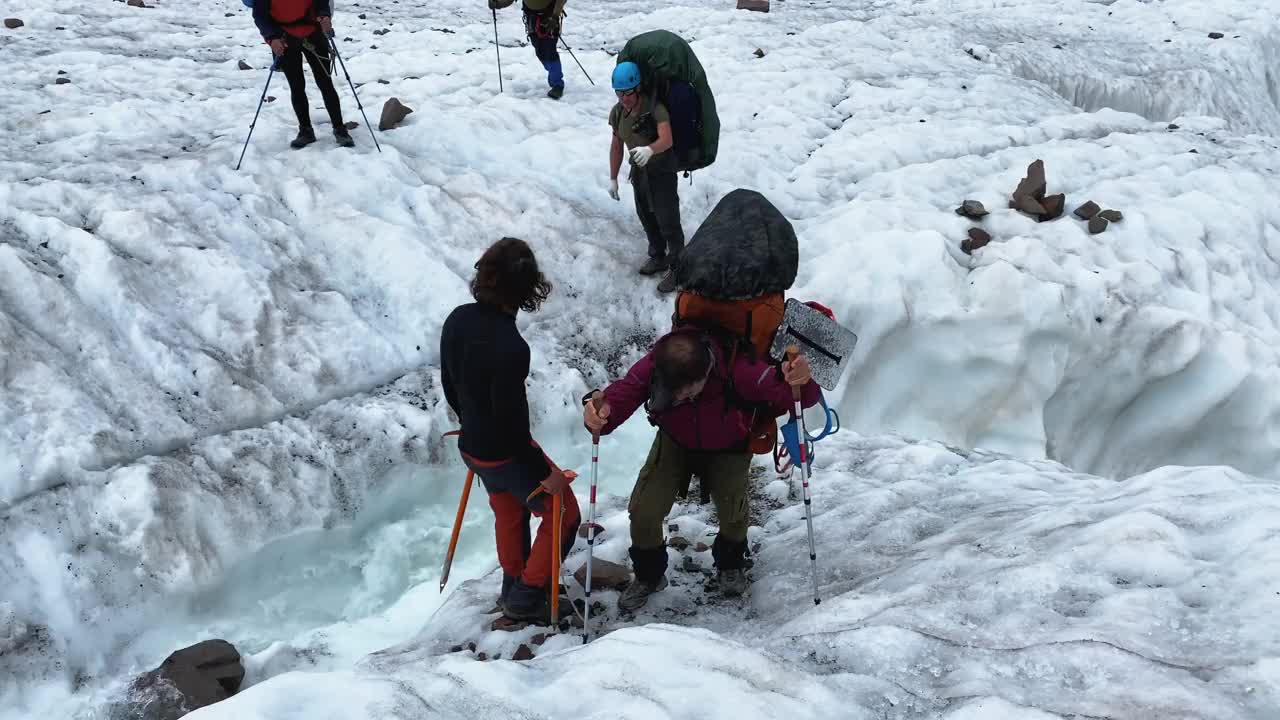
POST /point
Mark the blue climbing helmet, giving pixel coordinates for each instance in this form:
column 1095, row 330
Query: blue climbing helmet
column 626, row 76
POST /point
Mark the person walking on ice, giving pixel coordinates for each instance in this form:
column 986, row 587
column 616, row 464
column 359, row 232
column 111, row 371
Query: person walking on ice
column 294, row 29
column 542, row 21
column 698, row 393
column 642, row 125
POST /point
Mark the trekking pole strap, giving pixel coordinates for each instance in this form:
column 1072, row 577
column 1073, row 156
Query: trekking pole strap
column 832, row 425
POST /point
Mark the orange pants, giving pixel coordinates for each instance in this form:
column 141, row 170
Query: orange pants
column 509, row 486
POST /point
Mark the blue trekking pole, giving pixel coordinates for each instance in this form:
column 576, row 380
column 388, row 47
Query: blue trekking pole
column 334, row 46
column 263, row 99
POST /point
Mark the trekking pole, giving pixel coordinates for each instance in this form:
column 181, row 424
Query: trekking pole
column 803, row 460
column 334, row 46
column 557, row 510
column 596, row 401
column 263, row 99
column 457, row 528
column 575, row 59
column 497, row 50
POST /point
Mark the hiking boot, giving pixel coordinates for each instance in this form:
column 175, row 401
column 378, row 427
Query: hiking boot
column 637, row 594
column 653, row 266
column 556, row 92
column 508, row 582
column 526, row 603
column 306, row 136
column 733, row 582
column 343, row 137
column 668, row 283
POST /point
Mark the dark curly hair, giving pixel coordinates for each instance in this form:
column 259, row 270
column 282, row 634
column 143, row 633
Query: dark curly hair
column 507, row 275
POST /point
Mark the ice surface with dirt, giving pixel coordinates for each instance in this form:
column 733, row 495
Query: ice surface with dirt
column 219, row 403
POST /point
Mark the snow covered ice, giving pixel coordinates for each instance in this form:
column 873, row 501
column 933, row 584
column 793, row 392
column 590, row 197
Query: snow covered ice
column 951, row 585
column 219, row 411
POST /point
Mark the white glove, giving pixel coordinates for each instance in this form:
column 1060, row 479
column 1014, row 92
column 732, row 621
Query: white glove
column 613, row 189
column 640, row 156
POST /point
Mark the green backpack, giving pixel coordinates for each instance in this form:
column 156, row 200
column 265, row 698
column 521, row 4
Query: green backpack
column 671, row 74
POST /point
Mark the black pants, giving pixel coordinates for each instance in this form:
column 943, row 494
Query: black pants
column 658, row 205
column 316, row 50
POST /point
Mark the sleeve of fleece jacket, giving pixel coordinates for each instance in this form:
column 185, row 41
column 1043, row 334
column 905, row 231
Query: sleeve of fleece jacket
column 760, row 382
column 446, row 375
column 262, row 18
column 323, row 8
column 627, row 395
column 510, row 402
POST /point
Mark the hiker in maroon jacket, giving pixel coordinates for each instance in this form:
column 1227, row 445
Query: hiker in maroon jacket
column 704, row 411
column 294, row 29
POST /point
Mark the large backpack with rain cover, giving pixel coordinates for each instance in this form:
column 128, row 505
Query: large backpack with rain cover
column 671, row 74
column 733, row 278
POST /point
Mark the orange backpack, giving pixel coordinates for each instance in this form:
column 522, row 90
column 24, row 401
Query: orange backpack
column 751, row 323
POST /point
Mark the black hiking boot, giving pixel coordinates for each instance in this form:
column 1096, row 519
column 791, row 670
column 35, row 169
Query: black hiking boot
column 343, row 137
column 730, row 559
column 653, row 266
column 733, row 582
column 556, row 92
column 525, row 603
column 668, row 283
column 306, row 136
column 508, row 582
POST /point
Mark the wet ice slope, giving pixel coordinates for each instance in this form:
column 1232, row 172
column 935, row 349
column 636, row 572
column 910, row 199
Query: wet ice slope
column 172, row 329
column 954, row 587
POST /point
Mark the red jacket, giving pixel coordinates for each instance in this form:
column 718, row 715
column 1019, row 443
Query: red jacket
column 295, row 17
column 711, row 421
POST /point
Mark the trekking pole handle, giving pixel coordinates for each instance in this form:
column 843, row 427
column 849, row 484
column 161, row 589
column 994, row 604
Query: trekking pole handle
column 597, row 402
column 571, row 475
column 793, row 351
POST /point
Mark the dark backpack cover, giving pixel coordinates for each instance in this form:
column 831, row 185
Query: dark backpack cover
column 745, row 248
